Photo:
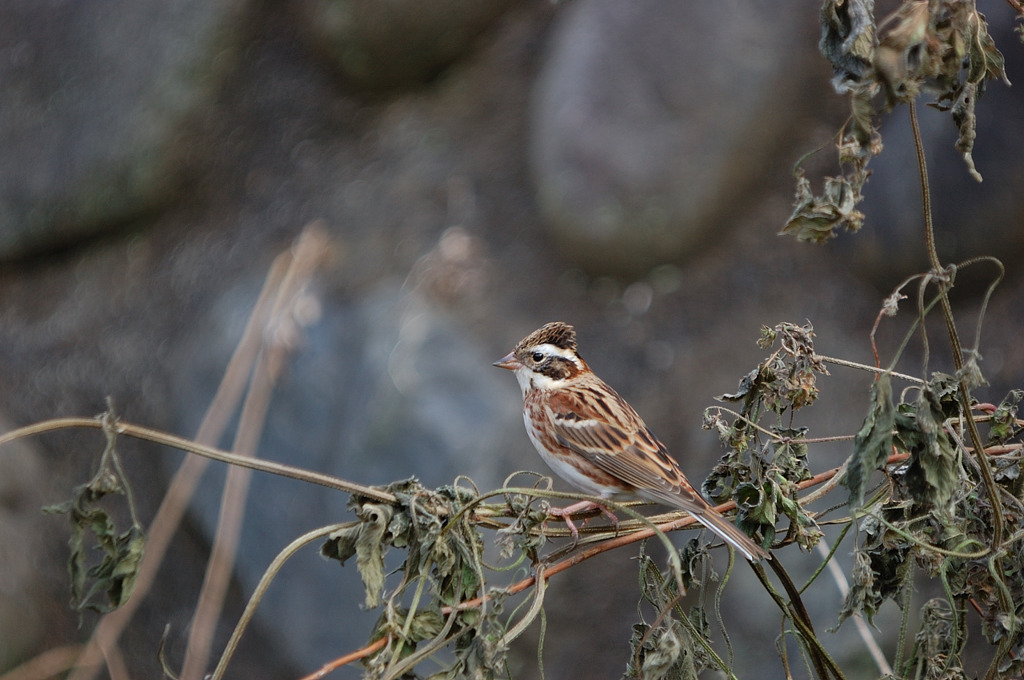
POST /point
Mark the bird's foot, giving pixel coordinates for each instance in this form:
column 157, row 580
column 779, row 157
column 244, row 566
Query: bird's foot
column 566, row 513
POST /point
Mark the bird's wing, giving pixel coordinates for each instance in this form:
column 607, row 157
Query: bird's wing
column 615, row 439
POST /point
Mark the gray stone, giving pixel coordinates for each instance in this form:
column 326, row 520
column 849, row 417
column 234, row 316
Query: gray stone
column 652, row 118
column 27, row 577
column 380, row 44
column 95, row 96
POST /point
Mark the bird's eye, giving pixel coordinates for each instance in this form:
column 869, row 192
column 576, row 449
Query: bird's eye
column 537, row 356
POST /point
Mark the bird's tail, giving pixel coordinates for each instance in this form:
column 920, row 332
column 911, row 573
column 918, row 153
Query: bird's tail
column 730, row 533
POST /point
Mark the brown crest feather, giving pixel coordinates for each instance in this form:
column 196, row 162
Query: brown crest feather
column 556, row 333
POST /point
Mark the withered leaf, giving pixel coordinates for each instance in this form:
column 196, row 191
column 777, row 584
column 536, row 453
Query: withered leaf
column 115, row 574
column 873, row 443
column 365, row 541
column 1003, row 423
column 663, row 652
column 818, row 218
column 932, row 474
column 848, row 40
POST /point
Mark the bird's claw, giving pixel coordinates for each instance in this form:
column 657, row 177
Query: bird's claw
column 566, row 513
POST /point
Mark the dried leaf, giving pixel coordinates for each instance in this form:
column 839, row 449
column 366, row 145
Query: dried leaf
column 115, row 574
column 879, row 573
column 848, row 40
column 905, row 54
column 932, row 474
column 365, row 540
column 942, row 47
column 873, row 443
column 754, row 504
column 745, row 390
column 1003, row 423
column 664, row 653
column 984, row 60
column 970, row 372
column 370, row 552
column 818, row 218
column 966, row 123
column 936, row 642
column 791, row 454
column 341, row 544
column 425, row 625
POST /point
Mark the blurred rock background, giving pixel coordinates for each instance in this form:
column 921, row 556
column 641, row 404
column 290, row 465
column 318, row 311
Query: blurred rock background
column 482, row 168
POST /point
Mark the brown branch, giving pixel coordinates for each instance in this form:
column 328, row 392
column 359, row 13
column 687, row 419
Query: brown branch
column 823, row 663
column 572, row 561
column 582, row 556
column 366, row 651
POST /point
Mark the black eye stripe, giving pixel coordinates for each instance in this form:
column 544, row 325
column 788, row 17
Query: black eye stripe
column 557, row 367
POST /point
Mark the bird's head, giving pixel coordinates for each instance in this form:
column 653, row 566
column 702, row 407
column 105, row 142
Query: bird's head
column 546, row 358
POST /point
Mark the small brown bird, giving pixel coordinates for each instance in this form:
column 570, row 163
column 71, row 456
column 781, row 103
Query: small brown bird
column 594, row 440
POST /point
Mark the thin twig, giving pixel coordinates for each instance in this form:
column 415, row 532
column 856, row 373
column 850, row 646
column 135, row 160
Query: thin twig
column 988, row 479
column 278, row 343
column 926, row 194
column 175, row 502
column 839, row 578
column 189, row 446
column 582, row 556
column 870, row 369
column 261, row 588
column 369, row 650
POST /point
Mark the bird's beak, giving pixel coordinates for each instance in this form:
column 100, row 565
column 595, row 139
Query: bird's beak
column 508, row 361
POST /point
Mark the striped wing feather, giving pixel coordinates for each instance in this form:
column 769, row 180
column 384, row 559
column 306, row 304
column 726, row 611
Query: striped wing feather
column 616, row 440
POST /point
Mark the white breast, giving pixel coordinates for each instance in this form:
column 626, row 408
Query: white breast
column 563, row 469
